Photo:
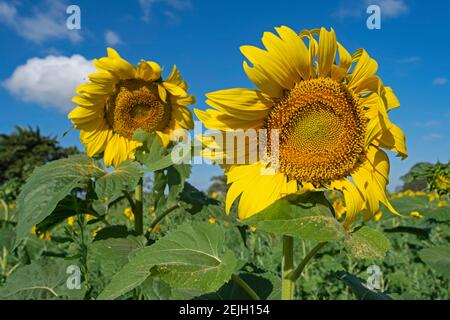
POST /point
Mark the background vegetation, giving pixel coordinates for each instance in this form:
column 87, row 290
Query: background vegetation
column 97, row 235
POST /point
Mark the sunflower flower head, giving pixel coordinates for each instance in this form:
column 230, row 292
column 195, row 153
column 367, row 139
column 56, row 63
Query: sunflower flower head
column 121, row 98
column 330, row 111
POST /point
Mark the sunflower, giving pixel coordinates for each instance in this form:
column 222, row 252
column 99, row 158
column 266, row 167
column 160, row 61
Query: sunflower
column 121, row 98
column 330, row 110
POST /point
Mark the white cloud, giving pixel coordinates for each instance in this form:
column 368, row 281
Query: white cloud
column 409, row 60
column 356, row 9
column 432, row 137
column 50, row 81
column 147, row 7
column 46, row 21
column 440, row 81
column 112, row 38
column 391, row 8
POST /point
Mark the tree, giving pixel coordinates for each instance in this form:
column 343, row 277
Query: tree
column 218, row 185
column 20, row 152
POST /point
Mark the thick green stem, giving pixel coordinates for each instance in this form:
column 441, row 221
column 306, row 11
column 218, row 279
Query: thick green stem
column 139, row 208
column 294, row 275
column 287, row 265
column 162, row 215
column 252, row 294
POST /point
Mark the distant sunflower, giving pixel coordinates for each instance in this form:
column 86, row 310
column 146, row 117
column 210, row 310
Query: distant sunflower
column 332, row 119
column 121, row 98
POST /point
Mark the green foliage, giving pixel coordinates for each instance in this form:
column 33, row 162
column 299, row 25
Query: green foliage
column 367, row 243
column 307, row 216
column 437, row 176
column 48, row 185
column 22, row 151
column 438, row 258
column 43, row 279
column 192, row 256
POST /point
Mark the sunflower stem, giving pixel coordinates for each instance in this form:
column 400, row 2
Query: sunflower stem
column 139, row 208
column 295, row 274
column 287, row 265
column 154, row 223
column 248, row 290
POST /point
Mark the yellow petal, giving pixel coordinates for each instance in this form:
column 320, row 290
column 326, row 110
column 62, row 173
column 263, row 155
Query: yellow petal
column 365, row 68
column 393, row 139
column 174, row 89
column 391, row 98
column 267, row 63
column 297, row 53
column 327, row 51
column 116, row 151
column 263, row 81
column 215, row 120
column 80, row 115
column 149, row 70
column 245, row 104
column 175, row 78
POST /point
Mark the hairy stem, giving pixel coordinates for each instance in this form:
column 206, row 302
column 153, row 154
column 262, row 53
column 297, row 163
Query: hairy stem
column 252, row 294
column 287, row 265
column 138, row 209
column 295, row 274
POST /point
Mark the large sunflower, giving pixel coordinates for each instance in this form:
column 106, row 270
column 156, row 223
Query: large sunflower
column 121, row 98
column 331, row 112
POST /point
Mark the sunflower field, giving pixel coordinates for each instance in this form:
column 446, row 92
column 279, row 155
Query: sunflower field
column 306, row 216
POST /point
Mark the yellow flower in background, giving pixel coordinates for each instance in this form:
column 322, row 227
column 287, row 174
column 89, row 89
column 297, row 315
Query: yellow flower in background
column 339, row 208
column 128, row 213
column 420, row 193
column 253, row 229
column 71, row 221
column 212, row 220
column 409, row 193
column 433, row 196
column 442, row 204
column 89, row 217
column 416, row 214
column 214, row 195
column 378, row 215
column 95, row 231
column 42, row 236
column 331, row 110
column 121, row 98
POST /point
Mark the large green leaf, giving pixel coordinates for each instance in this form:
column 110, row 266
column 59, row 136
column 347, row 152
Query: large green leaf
column 437, row 258
column 438, row 214
column 367, row 243
column 113, row 253
column 266, row 285
column 47, row 186
column 152, row 153
column 42, row 279
column 124, row 177
column 359, row 289
column 307, row 216
column 192, row 256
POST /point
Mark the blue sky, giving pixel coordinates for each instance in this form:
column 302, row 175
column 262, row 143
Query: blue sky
column 41, row 60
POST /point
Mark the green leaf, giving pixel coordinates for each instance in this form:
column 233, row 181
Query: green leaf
column 125, row 177
column 307, row 216
column 47, row 186
column 116, row 231
column 193, row 256
column 40, row 280
column 66, row 208
column 367, row 243
column 359, row 289
column 112, row 254
column 152, row 153
column 195, row 198
column 266, row 286
column 437, row 258
column 438, row 214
